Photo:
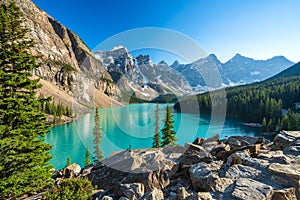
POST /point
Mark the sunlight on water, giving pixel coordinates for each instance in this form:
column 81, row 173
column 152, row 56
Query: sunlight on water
column 131, row 125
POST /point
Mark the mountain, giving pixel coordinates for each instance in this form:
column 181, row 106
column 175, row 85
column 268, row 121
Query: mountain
column 238, row 70
column 73, row 74
column 292, row 71
column 69, row 72
column 243, row 70
column 140, row 75
column 199, row 73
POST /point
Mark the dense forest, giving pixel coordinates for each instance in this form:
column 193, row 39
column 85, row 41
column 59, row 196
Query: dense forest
column 256, row 102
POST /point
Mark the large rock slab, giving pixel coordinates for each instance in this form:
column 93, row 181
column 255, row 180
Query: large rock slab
column 203, row 175
column 241, row 171
column 285, row 139
column 275, row 157
column 285, row 194
column 194, row 154
column 150, row 167
column 290, row 171
column 252, row 190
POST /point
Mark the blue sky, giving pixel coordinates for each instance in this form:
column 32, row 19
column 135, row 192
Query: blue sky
column 259, row 29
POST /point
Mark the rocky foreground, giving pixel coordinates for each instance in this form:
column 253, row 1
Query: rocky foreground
column 235, row 168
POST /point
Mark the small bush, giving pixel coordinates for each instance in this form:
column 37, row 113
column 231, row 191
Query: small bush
column 69, row 189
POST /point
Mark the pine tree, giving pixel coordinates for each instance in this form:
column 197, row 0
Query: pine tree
column 285, row 122
column 68, row 161
column 264, row 125
column 168, row 134
column 25, row 156
column 87, row 160
column 97, row 132
column 156, row 137
column 271, row 125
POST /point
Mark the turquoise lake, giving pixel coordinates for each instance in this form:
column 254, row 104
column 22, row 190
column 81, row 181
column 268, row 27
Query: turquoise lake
column 132, row 125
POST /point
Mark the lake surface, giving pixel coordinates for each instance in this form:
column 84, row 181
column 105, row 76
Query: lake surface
column 132, row 125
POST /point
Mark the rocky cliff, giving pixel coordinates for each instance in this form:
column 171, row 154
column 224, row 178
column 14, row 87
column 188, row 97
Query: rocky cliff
column 141, row 75
column 69, row 70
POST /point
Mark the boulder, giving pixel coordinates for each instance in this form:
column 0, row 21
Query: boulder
column 244, row 158
column 241, row 171
column 221, row 151
column 143, row 160
column 150, row 167
column 275, row 157
column 200, row 196
column 203, row 175
column 221, row 184
column 198, row 141
column 285, row 139
column 72, row 171
column 155, row 194
column 182, row 194
column 294, row 149
column 107, row 198
column 234, row 143
column 194, row 154
column 133, row 191
column 285, row 194
column 241, row 141
column 211, row 142
column 252, row 190
column 290, row 171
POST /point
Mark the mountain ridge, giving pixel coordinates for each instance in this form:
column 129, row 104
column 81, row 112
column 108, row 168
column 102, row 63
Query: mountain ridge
column 291, row 71
column 67, row 64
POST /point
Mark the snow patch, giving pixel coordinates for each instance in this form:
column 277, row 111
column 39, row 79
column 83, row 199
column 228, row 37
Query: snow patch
column 255, row 73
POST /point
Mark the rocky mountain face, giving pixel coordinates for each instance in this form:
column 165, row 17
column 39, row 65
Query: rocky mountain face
column 68, row 65
column 148, row 80
column 239, row 167
column 197, row 73
column 141, row 75
column 243, row 70
column 238, row 70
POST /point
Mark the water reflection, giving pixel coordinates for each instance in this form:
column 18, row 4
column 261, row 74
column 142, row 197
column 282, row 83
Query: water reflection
column 130, row 125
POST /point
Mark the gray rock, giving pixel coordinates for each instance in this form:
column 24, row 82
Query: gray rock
column 203, row 175
column 155, row 194
column 133, row 191
column 150, row 167
column 285, row 194
column 107, row 198
column 252, row 190
column 285, row 139
column 182, row 194
column 240, row 171
column 290, row 171
column 275, row 157
column 244, row 158
column 200, row 196
column 194, row 154
column 72, row 170
column 123, row 198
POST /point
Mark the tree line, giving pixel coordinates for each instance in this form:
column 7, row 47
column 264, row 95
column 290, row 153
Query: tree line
column 259, row 103
column 55, row 109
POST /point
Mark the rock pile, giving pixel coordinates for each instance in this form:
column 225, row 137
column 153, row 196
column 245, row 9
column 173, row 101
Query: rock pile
column 235, row 168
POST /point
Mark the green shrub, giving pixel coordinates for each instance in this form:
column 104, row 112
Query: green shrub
column 69, row 189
